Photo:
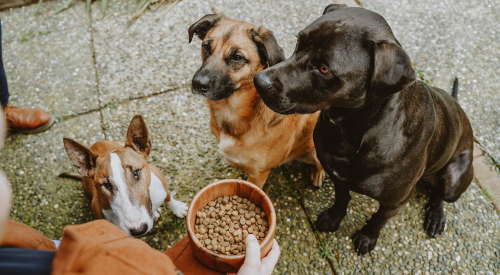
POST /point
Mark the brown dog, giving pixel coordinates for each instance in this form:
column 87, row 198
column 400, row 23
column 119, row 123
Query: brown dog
column 122, row 185
column 250, row 135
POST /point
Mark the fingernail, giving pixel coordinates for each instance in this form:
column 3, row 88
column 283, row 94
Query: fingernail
column 251, row 237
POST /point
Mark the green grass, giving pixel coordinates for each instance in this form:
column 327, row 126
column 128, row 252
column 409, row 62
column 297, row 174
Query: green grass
column 324, row 250
column 423, row 76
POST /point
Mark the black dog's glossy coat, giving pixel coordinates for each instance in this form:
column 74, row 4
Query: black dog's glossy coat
column 381, row 133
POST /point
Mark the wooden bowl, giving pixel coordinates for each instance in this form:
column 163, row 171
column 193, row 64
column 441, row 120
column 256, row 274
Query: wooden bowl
column 244, row 189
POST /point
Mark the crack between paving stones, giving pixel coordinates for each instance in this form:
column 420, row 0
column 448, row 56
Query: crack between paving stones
column 97, row 79
column 120, row 102
column 316, row 236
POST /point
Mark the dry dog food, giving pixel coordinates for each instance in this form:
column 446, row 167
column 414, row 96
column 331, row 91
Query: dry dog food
column 223, row 224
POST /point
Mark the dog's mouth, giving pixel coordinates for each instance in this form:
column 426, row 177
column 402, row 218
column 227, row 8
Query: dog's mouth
column 287, row 111
column 215, row 93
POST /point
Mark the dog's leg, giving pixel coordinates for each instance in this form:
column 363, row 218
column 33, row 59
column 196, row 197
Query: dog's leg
column 449, row 184
column 434, row 215
column 365, row 239
column 329, row 220
column 318, row 173
column 259, row 178
column 179, row 208
column 317, row 176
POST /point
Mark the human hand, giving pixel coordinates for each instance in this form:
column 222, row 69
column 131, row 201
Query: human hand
column 4, row 203
column 253, row 265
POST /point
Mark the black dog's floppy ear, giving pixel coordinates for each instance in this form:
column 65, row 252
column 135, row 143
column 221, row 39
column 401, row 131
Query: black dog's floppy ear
column 392, row 68
column 81, row 157
column 138, row 136
column 203, row 25
column 333, row 7
column 270, row 52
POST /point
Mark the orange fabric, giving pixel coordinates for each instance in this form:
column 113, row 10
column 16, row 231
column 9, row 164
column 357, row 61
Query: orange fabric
column 22, row 236
column 182, row 256
column 99, row 247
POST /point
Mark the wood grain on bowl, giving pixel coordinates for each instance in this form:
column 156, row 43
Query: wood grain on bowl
column 226, row 263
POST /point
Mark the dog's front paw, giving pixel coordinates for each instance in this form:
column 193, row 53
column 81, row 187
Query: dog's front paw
column 363, row 243
column 179, row 208
column 434, row 221
column 317, row 177
column 326, row 223
column 156, row 214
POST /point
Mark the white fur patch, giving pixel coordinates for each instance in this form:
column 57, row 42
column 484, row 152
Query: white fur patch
column 225, row 142
column 178, row 207
column 125, row 212
column 157, row 194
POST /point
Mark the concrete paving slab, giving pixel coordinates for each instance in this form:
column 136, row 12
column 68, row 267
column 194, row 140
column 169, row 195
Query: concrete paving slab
column 186, row 151
column 54, row 72
column 43, row 19
column 32, row 163
column 454, row 38
column 153, row 54
column 151, row 57
column 403, row 246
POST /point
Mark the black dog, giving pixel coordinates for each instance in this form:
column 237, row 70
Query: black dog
column 381, row 133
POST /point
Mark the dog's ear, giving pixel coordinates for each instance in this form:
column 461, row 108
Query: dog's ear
column 270, row 52
column 203, row 25
column 81, row 156
column 138, row 136
column 333, row 7
column 392, row 68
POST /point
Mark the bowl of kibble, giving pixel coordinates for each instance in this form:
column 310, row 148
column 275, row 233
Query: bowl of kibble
column 221, row 216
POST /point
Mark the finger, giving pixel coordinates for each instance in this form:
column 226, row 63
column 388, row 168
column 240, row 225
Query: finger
column 252, row 254
column 271, row 259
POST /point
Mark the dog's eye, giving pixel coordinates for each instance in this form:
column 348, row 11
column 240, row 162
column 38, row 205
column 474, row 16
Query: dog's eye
column 137, row 174
column 237, row 57
column 107, row 184
column 206, row 48
column 324, row 70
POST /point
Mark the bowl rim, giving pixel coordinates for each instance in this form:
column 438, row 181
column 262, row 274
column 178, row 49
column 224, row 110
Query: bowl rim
column 269, row 234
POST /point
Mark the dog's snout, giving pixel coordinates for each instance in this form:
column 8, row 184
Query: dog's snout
column 201, row 82
column 139, row 231
column 263, row 82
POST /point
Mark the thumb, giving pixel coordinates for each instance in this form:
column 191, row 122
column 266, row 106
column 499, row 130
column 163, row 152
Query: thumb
column 252, row 254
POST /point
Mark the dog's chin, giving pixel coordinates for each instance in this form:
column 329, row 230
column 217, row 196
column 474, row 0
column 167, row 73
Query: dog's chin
column 295, row 108
column 216, row 95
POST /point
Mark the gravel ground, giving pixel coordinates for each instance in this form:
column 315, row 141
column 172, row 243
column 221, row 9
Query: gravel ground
column 95, row 73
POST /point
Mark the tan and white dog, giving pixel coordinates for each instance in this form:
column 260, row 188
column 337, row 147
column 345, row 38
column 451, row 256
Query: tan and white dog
column 122, row 186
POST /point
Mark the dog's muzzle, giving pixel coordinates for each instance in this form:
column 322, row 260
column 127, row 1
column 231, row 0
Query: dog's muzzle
column 201, row 83
column 270, row 91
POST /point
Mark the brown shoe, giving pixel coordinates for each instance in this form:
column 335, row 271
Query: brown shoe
column 27, row 120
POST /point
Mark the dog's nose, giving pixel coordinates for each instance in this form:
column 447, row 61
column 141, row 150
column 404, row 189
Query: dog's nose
column 141, row 230
column 201, row 83
column 263, row 82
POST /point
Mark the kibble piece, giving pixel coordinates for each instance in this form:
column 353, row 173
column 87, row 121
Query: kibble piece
column 223, row 224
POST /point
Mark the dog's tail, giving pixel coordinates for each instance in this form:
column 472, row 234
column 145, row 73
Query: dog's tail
column 70, row 176
column 454, row 89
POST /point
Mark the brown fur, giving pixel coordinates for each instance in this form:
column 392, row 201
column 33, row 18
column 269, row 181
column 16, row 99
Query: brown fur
column 95, row 168
column 262, row 138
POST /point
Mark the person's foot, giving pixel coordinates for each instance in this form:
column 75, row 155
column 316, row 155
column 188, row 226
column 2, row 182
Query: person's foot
column 27, row 120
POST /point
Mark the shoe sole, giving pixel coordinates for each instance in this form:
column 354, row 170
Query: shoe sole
column 37, row 130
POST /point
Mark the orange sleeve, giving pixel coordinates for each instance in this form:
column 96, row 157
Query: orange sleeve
column 22, row 236
column 99, row 247
column 182, row 256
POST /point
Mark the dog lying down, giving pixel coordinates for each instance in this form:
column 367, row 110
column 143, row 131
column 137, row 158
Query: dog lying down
column 121, row 185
